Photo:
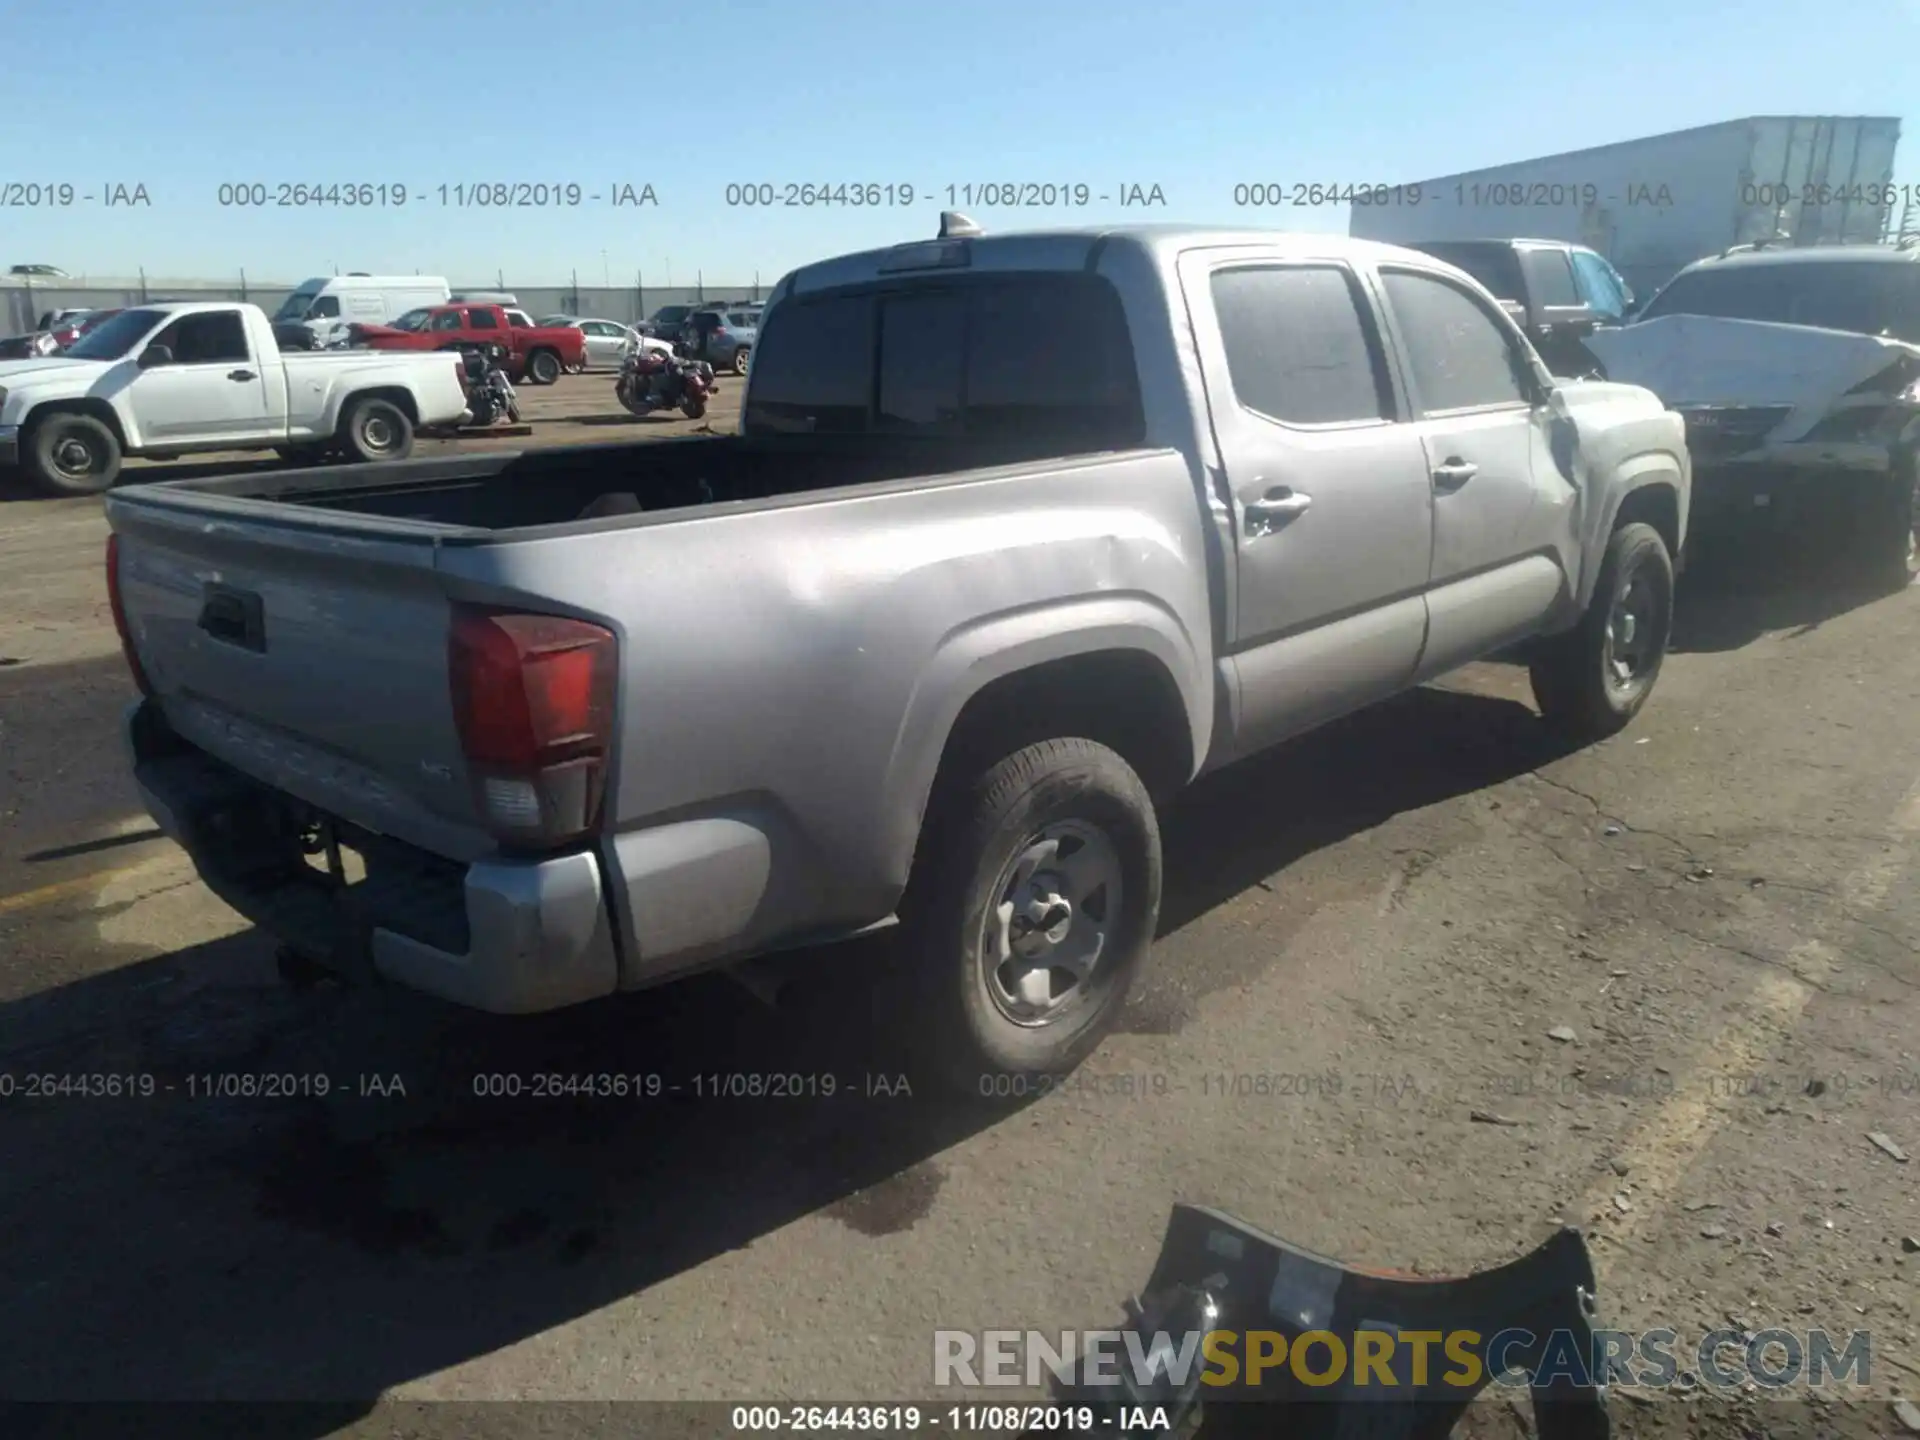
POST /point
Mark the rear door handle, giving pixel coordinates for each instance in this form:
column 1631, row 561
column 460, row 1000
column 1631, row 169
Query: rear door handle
column 1277, row 507
column 1454, row 473
column 241, row 375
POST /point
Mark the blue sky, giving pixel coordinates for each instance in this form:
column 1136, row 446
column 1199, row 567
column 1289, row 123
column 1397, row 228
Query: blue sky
column 185, row 95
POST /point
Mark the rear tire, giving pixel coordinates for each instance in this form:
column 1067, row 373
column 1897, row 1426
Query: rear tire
column 69, row 454
column 1590, row 682
column 695, row 408
column 375, row 430
column 741, row 358
column 1032, row 906
column 543, row 367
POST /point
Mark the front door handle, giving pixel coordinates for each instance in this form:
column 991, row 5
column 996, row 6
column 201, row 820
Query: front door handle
column 241, row 375
column 1277, row 507
column 1454, row 473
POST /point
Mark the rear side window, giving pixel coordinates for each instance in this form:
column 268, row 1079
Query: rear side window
column 1459, row 355
column 1551, row 277
column 1021, row 358
column 446, row 320
column 1297, row 347
column 483, row 319
column 1494, row 266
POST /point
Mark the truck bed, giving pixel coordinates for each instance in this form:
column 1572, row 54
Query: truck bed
column 522, row 489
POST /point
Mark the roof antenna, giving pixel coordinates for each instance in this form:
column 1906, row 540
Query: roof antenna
column 954, row 226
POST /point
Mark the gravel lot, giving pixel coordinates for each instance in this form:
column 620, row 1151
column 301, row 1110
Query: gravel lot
column 1394, row 918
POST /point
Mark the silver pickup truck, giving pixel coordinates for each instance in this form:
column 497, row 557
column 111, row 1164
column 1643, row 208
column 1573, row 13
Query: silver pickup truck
column 1020, row 534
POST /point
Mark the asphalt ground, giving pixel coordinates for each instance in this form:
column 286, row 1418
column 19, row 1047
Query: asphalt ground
column 1371, row 940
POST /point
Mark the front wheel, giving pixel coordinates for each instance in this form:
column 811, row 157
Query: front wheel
column 1590, row 682
column 73, row 455
column 694, row 406
column 1890, row 526
column 1032, row 907
column 543, row 367
column 374, row 430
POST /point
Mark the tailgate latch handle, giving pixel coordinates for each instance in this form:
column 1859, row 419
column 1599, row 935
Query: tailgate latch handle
column 235, row 617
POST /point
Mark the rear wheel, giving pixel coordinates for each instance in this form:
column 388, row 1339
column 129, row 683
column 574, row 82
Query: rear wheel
column 543, row 367
column 374, row 430
column 71, row 454
column 740, row 359
column 1032, row 906
column 694, row 406
column 1592, row 681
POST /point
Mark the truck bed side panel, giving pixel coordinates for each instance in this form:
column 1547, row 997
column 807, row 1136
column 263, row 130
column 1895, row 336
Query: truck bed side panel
column 782, row 716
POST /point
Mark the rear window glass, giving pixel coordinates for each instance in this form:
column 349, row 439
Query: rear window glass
column 1023, row 357
column 1867, row 297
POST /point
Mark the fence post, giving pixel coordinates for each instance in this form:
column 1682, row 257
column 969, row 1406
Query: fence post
column 143, row 284
column 243, row 284
column 639, row 296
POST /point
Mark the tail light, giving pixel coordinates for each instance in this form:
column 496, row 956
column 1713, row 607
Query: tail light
column 118, row 606
column 533, row 697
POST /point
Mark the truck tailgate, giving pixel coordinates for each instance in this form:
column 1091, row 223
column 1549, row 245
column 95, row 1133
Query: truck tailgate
column 312, row 657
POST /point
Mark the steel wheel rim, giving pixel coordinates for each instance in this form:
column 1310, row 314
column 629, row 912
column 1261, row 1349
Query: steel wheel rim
column 73, row 457
column 1630, row 633
column 377, row 433
column 1051, row 923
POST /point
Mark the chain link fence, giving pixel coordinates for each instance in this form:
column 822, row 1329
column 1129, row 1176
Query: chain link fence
column 25, row 300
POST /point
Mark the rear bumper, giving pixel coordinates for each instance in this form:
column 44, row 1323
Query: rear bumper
column 508, row 936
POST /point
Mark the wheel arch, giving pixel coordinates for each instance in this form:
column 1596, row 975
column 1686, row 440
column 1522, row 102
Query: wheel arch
column 92, row 406
column 1651, row 493
column 1121, row 671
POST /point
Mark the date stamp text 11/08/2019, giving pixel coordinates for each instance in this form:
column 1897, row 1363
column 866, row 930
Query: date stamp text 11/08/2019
column 457, row 195
column 982, row 195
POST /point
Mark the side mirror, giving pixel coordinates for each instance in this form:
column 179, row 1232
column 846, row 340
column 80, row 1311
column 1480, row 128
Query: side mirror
column 155, row 355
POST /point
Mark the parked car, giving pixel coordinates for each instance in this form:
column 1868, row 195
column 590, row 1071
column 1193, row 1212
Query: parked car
column 535, row 352
column 165, row 380
column 608, row 342
column 38, row 270
column 723, row 338
column 54, row 319
column 330, row 305
column 1559, row 293
column 962, row 679
column 667, row 322
column 58, row 330
column 1798, row 374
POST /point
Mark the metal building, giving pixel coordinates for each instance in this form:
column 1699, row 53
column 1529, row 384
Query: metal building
column 1656, row 204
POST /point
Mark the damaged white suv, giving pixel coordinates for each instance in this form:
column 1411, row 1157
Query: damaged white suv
column 1798, row 374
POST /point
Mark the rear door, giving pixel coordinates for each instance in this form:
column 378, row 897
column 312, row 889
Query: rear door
column 1328, row 485
column 214, row 389
column 1502, row 505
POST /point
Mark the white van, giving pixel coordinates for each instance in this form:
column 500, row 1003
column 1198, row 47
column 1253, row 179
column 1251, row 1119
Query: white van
column 328, row 305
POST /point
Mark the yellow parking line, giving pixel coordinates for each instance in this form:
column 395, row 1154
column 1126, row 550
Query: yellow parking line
column 59, row 890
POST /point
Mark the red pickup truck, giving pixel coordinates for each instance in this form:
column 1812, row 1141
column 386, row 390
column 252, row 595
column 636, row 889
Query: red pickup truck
column 536, row 352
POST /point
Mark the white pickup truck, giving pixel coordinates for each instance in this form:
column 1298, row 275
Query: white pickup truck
column 166, row 380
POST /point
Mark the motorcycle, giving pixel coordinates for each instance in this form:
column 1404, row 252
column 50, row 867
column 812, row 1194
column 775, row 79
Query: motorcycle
column 1218, row 1274
column 489, row 393
column 650, row 380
